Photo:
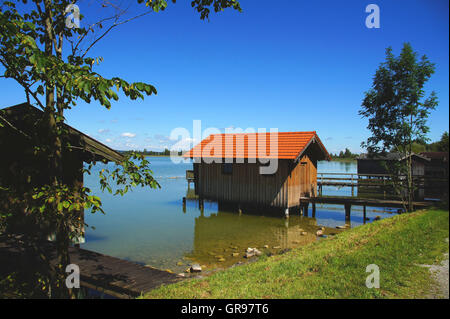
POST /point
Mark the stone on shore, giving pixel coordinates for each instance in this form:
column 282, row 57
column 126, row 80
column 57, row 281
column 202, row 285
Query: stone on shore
column 195, row 268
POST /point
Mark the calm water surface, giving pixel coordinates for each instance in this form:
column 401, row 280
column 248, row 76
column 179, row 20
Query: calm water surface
column 149, row 226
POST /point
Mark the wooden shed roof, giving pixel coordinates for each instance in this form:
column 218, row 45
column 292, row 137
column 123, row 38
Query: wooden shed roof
column 280, row 145
column 394, row 156
column 25, row 116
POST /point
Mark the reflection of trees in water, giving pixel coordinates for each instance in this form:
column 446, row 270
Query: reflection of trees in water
column 337, row 167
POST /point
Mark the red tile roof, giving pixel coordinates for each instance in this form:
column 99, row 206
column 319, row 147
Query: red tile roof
column 246, row 145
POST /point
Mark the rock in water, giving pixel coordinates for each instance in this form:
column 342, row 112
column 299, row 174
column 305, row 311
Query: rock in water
column 196, row 268
column 319, row 233
column 377, row 218
column 249, row 255
column 252, row 252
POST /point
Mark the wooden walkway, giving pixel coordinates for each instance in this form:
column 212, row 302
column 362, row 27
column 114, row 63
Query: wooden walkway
column 359, row 201
column 348, row 202
column 110, row 275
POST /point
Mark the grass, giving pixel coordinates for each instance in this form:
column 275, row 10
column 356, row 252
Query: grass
column 336, row 267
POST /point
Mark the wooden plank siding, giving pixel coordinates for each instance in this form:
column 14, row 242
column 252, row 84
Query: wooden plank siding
column 245, row 185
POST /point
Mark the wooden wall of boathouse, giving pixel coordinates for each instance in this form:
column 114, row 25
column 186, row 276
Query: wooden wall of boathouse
column 246, row 186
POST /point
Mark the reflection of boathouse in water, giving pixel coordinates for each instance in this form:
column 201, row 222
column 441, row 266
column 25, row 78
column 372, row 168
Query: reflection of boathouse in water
column 223, row 234
column 227, row 168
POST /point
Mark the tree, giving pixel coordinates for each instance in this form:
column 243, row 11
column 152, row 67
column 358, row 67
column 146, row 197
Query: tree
column 397, row 109
column 33, row 37
column 443, row 143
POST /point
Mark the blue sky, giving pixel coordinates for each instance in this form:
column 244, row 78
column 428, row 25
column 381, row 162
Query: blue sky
column 295, row 66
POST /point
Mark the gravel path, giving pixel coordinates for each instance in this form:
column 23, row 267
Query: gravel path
column 440, row 274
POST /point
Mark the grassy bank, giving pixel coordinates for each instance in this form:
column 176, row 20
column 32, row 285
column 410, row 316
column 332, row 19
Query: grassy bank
column 336, row 267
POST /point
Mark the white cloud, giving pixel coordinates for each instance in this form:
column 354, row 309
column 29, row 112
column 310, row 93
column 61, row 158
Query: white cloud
column 127, row 134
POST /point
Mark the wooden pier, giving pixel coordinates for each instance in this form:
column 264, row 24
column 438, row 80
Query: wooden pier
column 348, row 202
column 105, row 274
column 378, row 183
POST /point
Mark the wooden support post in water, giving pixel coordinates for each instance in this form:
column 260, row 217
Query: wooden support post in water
column 300, row 207
column 201, row 205
column 348, row 208
column 364, row 214
column 306, row 210
column 313, row 210
column 184, row 204
column 353, row 192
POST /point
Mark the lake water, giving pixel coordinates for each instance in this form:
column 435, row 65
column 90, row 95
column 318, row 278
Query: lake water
column 149, row 226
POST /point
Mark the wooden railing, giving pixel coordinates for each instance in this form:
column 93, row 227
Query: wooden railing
column 381, row 182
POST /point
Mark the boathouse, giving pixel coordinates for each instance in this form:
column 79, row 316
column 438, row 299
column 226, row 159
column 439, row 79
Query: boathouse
column 21, row 166
column 438, row 164
column 232, row 169
column 378, row 164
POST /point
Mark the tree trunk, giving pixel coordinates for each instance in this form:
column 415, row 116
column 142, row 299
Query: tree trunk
column 410, row 181
column 52, row 113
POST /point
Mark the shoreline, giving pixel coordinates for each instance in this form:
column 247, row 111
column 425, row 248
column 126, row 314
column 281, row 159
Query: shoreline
column 336, row 267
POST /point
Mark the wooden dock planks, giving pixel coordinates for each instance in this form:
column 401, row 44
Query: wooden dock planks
column 117, row 277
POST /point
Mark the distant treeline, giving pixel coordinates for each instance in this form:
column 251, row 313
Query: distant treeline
column 417, row 147
column 346, row 154
column 439, row 146
column 166, row 152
